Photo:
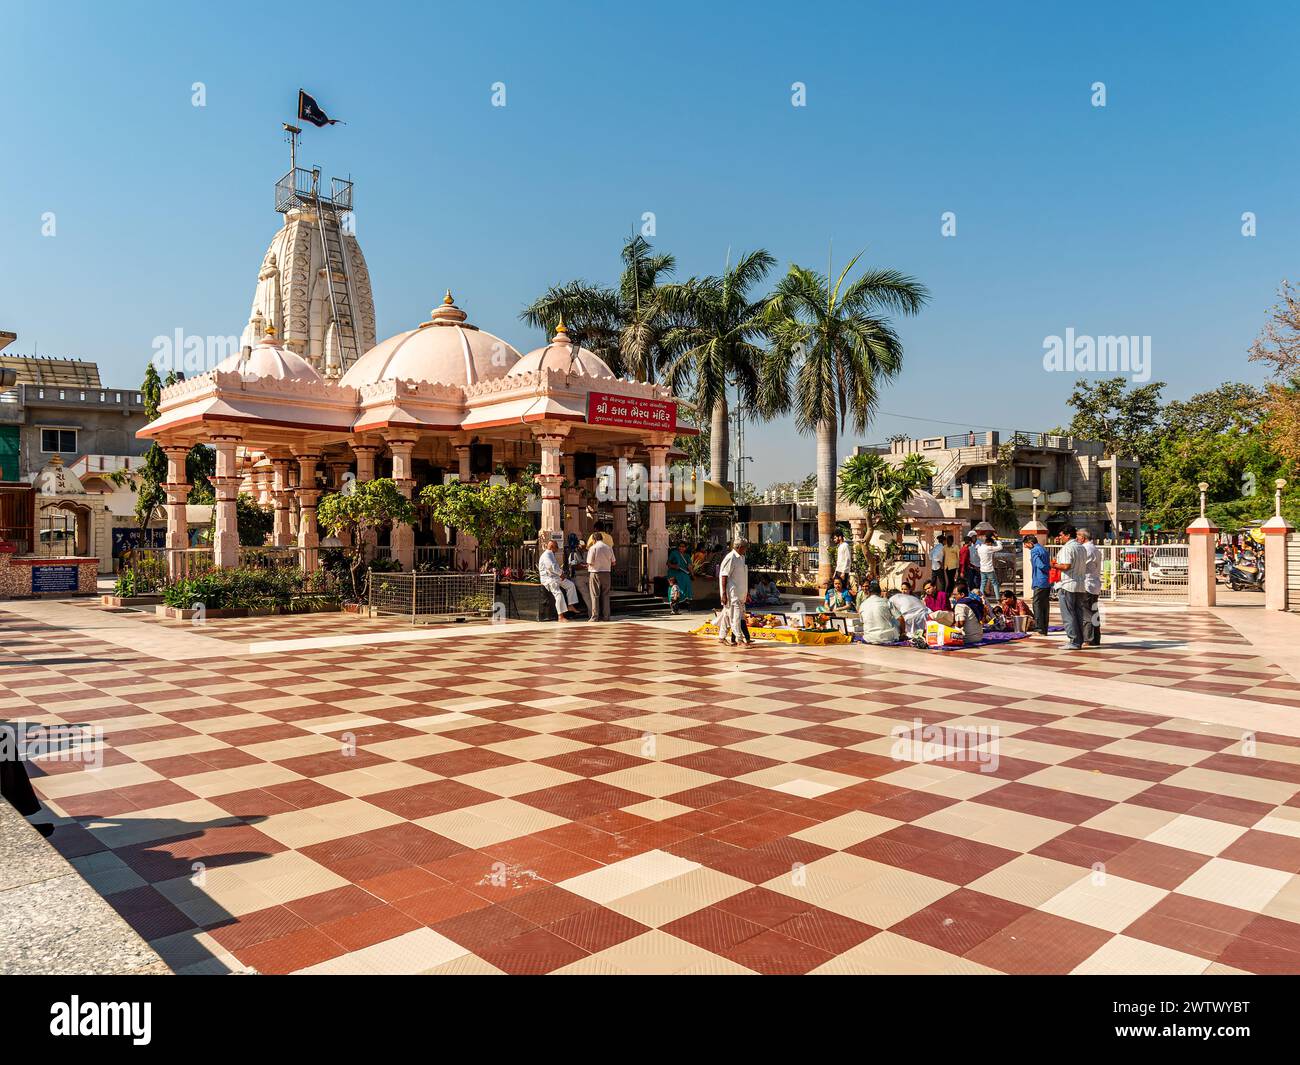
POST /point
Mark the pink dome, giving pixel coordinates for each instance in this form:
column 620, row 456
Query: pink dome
column 272, row 359
column 444, row 350
column 564, row 355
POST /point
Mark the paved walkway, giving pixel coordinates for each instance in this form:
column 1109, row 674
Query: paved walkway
column 628, row 798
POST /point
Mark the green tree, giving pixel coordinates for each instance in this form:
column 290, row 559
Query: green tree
column 832, row 348
column 718, row 343
column 624, row 325
column 147, row 480
column 881, row 491
column 1124, row 420
column 254, row 522
column 496, row 515
column 368, row 506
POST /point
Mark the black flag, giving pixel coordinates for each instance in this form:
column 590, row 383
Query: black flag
column 310, row 111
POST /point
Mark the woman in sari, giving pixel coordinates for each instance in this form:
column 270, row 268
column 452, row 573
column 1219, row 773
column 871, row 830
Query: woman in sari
column 679, row 566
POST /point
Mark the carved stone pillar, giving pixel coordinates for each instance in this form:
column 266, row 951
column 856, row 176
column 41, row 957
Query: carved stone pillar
column 281, row 535
column 466, row 545
column 657, row 533
column 177, row 490
column 225, row 486
column 572, row 519
column 308, row 495
column 402, row 537
column 551, row 442
column 623, row 458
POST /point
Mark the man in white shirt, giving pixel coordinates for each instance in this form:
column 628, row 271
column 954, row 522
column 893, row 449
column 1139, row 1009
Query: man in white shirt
column 600, row 560
column 912, row 610
column 554, row 581
column 1071, row 560
column 881, row 621
column 1091, row 634
column 733, row 586
column 936, row 563
column 986, row 552
column 843, row 558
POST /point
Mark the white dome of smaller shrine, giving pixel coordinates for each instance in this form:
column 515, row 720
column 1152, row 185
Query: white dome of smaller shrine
column 445, row 350
column 271, row 359
column 564, row 355
column 923, row 507
column 55, row 479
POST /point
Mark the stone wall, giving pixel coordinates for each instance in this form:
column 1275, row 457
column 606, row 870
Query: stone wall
column 17, row 573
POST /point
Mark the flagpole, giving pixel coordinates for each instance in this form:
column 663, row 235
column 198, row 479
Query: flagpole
column 293, row 133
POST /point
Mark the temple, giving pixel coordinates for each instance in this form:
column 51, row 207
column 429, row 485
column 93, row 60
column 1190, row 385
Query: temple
column 312, row 400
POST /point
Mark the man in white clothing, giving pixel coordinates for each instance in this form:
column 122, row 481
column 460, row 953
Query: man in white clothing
column 554, row 581
column 600, row 561
column 733, row 586
column 1091, row 634
column 843, row 558
column 912, row 610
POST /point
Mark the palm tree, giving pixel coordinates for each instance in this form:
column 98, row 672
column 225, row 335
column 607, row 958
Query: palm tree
column 831, row 350
column 719, row 325
column 881, row 491
column 623, row 325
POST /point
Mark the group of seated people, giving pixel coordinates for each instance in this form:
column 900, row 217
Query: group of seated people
column 763, row 593
column 903, row 615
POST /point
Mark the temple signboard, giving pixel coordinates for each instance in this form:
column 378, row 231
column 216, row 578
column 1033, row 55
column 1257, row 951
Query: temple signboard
column 630, row 412
column 48, row 579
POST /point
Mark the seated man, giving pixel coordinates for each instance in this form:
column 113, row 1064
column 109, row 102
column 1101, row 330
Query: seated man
column 881, row 621
column 554, row 581
column 912, row 610
column 771, row 595
column 968, row 613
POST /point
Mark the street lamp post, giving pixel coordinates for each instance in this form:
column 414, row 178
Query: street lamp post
column 1204, row 487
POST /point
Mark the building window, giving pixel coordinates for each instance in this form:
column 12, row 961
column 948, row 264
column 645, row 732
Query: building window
column 58, row 440
column 1029, row 477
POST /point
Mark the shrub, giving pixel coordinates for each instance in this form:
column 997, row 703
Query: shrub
column 276, row 588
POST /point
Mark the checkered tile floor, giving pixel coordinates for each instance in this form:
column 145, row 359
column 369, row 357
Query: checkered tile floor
column 624, row 799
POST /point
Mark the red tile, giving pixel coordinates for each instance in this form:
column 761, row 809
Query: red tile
column 595, row 928
column 534, row 952
column 713, row 929
column 440, row 904
column 297, row 950
column 960, row 922
column 1039, row 944
column 332, row 904
column 773, row 954
column 369, row 927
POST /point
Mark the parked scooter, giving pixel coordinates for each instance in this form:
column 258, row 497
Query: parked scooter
column 1244, row 578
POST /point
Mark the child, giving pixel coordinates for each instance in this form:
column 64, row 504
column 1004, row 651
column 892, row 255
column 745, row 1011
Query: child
column 675, row 596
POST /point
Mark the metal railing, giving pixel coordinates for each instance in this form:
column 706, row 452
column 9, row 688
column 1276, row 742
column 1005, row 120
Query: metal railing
column 269, row 557
column 1141, row 571
column 301, row 188
column 436, row 557
column 431, row 596
column 150, row 570
column 630, row 572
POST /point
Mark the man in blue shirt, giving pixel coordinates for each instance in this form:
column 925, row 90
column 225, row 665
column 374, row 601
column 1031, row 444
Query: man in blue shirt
column 1040, row 562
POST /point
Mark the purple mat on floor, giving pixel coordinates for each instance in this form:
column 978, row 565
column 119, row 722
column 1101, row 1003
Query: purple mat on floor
column 989, row 637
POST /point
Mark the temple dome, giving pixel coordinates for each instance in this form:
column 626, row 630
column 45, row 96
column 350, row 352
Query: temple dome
column 923, row 507
column 564, row 355
column 271, row 359
column 444, row 350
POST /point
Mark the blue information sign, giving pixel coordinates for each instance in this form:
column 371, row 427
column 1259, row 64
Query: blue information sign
column 54, row 579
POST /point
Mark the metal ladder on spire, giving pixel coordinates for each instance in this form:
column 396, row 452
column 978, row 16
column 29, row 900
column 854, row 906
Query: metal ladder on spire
column 329, row 227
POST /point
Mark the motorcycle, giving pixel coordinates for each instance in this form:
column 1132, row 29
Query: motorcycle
column 1244, row 578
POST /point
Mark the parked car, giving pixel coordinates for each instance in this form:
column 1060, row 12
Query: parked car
column 1168, row 565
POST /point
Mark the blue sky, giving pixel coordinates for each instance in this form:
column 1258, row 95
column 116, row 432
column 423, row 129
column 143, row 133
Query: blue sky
column 1117, row 220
